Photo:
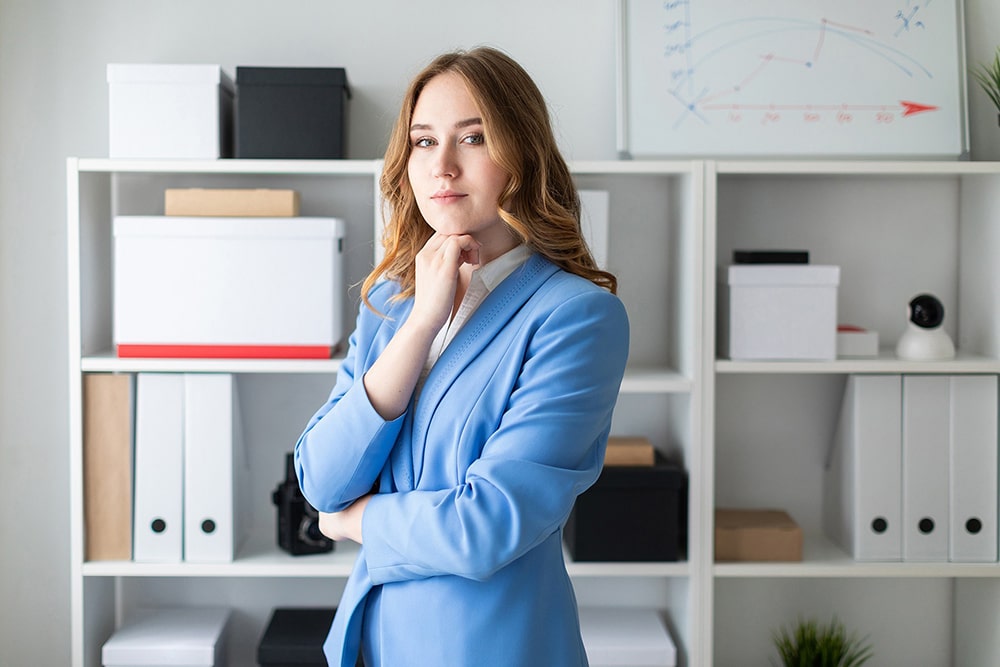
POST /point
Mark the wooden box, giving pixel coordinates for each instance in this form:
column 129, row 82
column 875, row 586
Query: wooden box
column 756, row 535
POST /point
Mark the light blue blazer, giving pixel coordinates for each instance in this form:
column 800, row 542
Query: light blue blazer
column 462, row 544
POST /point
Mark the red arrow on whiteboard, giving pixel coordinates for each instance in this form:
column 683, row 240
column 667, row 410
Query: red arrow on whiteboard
column 912, row 108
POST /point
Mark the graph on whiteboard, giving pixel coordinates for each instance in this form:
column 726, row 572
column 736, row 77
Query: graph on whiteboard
column 732, row 77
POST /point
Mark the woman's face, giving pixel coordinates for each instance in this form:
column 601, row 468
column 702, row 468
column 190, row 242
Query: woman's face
column 455, row 182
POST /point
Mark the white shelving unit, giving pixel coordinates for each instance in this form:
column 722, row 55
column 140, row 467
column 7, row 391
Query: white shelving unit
column 104, row 593
column 748, row 434
column 896, row 229
column 660, row 396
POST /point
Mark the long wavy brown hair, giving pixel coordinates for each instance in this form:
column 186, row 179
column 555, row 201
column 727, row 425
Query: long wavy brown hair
column 540, row 204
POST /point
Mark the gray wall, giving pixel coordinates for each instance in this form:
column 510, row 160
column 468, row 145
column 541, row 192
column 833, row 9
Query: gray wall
column 53, row 104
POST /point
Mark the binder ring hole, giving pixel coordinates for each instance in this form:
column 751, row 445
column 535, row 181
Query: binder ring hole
column 158, row 525
column 973, row 526
column 926, row 526
column 879, row 525
column 208, row 526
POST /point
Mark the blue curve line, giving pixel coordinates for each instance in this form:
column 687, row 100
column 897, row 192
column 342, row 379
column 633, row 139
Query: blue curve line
column 872, row 45
column 863, row 42
column 690, row 105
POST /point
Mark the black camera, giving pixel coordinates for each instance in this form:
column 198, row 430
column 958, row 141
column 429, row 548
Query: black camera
column 298, row 521
column 926, row 311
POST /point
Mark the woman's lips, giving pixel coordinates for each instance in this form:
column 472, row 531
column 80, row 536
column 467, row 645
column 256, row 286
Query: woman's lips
column 446, row 196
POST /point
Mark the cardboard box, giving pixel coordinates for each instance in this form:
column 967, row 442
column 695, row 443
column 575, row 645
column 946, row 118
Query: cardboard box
column 236, row 202
column 779, row 312
column 631, row 513
column 169, row 111
column 622, row 636
column 295, row 636
column 291, row 112
column 170, row 637
column 629, row 451
column 228, row 287
column 108, row 423
column 756, row 535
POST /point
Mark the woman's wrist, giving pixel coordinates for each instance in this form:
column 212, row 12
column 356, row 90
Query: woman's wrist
column 421, row 330
column 347, row 524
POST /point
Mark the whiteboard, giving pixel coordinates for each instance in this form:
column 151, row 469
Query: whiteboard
column 704, row 78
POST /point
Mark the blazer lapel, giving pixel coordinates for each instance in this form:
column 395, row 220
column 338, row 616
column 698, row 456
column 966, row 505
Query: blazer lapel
column 477, row 333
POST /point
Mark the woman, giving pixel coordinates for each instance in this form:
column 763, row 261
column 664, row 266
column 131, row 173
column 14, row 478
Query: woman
column 475, row 399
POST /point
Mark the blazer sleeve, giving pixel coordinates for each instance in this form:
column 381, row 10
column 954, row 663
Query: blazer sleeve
column 549, row 448
column 345, row 445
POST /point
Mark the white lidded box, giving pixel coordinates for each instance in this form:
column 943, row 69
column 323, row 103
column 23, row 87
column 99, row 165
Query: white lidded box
column 169, row 111
column 228, row 287
column 626, row 637
column 169, row 637
column 780, row 312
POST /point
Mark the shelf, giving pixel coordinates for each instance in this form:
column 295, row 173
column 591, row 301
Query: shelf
column 636, row 381
column 676, row 167
column 232, row 166
column 651, row 569
column 855, row 167
column 109, row 363
column 821, row 558
column 349, row 167
column 259, row 557
column 655, row 381
column 885, row 362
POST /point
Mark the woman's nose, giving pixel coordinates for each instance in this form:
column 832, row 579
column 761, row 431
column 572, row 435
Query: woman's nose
column 445, row 163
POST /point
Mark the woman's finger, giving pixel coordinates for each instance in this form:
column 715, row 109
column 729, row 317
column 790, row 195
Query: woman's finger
column 468, row 248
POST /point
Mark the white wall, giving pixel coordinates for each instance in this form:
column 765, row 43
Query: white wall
column 53, row 104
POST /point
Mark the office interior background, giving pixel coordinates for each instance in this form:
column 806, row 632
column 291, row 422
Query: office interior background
column 54, row 104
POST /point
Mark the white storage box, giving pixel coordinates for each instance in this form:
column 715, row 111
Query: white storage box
column 169, row 111
column 228, row 287
column 169, row 637
column 780, row 311
column 625, row 637
column 855, row 342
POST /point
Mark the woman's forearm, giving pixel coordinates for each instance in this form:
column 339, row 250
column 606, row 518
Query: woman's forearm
column 391, row 380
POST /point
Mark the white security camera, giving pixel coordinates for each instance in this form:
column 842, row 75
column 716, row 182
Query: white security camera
column 924, row 338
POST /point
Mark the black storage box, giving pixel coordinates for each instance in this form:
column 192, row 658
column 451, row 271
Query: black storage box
column 291, row 112
column 295, row 636
column 631, row 513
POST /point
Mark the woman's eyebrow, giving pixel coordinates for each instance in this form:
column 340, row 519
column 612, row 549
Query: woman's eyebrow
column 460, row 124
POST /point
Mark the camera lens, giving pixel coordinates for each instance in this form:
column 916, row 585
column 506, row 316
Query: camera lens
column 309, row 532
column 311, row 529
column 926, row 311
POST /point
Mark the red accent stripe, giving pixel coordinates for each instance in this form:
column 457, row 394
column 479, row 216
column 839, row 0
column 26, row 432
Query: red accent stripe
column 226, row 351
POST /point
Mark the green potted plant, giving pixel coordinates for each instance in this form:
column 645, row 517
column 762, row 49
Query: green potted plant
column 988, row 76
column 809, row 643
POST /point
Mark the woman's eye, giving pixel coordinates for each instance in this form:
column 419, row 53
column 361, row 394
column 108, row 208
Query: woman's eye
column 423, row 142
column 474, row 139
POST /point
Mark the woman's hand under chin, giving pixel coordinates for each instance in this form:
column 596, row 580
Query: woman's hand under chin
column 437, row 266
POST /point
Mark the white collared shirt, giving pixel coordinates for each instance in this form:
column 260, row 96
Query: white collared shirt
column 484, row 280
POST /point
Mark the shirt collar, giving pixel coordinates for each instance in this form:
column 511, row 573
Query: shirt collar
column 493, row 272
